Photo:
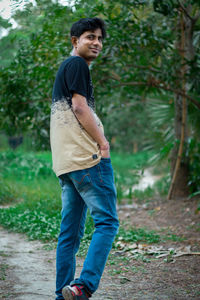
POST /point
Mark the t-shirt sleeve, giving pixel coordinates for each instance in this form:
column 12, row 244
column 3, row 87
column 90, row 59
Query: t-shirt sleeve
column 77, row 77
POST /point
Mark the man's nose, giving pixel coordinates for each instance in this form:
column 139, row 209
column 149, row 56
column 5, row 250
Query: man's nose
column 97, row 43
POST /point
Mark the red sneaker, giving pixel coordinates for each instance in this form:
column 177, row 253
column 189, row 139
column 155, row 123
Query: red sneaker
column 69, row 294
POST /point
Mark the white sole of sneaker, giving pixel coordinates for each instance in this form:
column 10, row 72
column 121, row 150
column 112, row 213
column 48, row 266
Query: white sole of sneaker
column 67, row 293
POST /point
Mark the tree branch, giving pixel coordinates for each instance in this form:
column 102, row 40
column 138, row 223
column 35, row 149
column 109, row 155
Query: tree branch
column 144, row 67
column 193, row 19
column 160, row 85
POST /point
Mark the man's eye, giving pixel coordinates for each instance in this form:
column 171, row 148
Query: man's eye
column 90, row 37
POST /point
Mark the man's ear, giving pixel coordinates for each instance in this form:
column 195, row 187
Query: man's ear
column 74, row 41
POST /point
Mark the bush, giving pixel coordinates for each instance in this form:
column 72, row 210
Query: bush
column 24, row 164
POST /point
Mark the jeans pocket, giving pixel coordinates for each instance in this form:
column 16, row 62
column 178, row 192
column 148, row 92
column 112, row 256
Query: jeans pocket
column 81, row 180
column 106, row 171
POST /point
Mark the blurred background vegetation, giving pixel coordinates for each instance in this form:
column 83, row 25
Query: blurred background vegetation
column 146, row 85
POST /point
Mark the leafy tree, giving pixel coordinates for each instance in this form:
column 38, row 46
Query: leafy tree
column 5, row 45
column 27, row 82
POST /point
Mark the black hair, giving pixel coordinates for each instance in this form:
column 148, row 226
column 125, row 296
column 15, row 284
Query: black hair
column 87, row 24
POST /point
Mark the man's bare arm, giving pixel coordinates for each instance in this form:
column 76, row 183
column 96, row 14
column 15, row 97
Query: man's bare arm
column 87, row 120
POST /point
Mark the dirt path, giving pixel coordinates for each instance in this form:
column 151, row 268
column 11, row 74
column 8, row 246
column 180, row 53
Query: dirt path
column 28, row 270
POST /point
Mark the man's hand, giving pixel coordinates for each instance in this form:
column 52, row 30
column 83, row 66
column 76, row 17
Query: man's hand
column 105, row 150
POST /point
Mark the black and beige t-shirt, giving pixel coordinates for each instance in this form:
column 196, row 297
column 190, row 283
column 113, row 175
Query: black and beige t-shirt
column 72, row 147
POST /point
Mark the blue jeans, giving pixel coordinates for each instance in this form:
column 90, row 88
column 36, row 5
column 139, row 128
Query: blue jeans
column 91, row 188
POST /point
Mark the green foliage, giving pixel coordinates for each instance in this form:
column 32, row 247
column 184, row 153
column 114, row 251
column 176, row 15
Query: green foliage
column 165, row 7
column 4, row 24
column 35, row 223
column 126, row 134
column 138, row 235
column 173, row 237
column 161, row 121
column 24, row 166
column 8, row 194
column 28, row 81
column 24, row 178
column 140, row 195
column 27, row 166
column 162, row 185
column 28, row 177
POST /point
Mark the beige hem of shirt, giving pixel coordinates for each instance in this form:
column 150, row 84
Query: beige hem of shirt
column 67, row 170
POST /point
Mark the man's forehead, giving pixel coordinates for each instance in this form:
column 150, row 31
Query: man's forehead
column 97, row 32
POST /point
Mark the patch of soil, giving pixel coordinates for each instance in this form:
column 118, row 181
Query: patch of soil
column 180, row 217
column 28, row 270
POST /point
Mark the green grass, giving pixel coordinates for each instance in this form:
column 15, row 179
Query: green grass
column 3, row 271
column 138, row 235
column 30, row 186
column 27, row 169
column 36, row 223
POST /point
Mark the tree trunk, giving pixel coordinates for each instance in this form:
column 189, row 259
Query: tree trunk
column 180, row 163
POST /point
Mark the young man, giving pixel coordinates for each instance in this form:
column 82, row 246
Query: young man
column 81, row 160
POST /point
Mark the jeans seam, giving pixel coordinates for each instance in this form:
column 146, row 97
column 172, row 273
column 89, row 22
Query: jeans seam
column 77, row 235
column 99, row 169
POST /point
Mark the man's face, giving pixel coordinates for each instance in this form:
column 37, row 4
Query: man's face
column 89, row 45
